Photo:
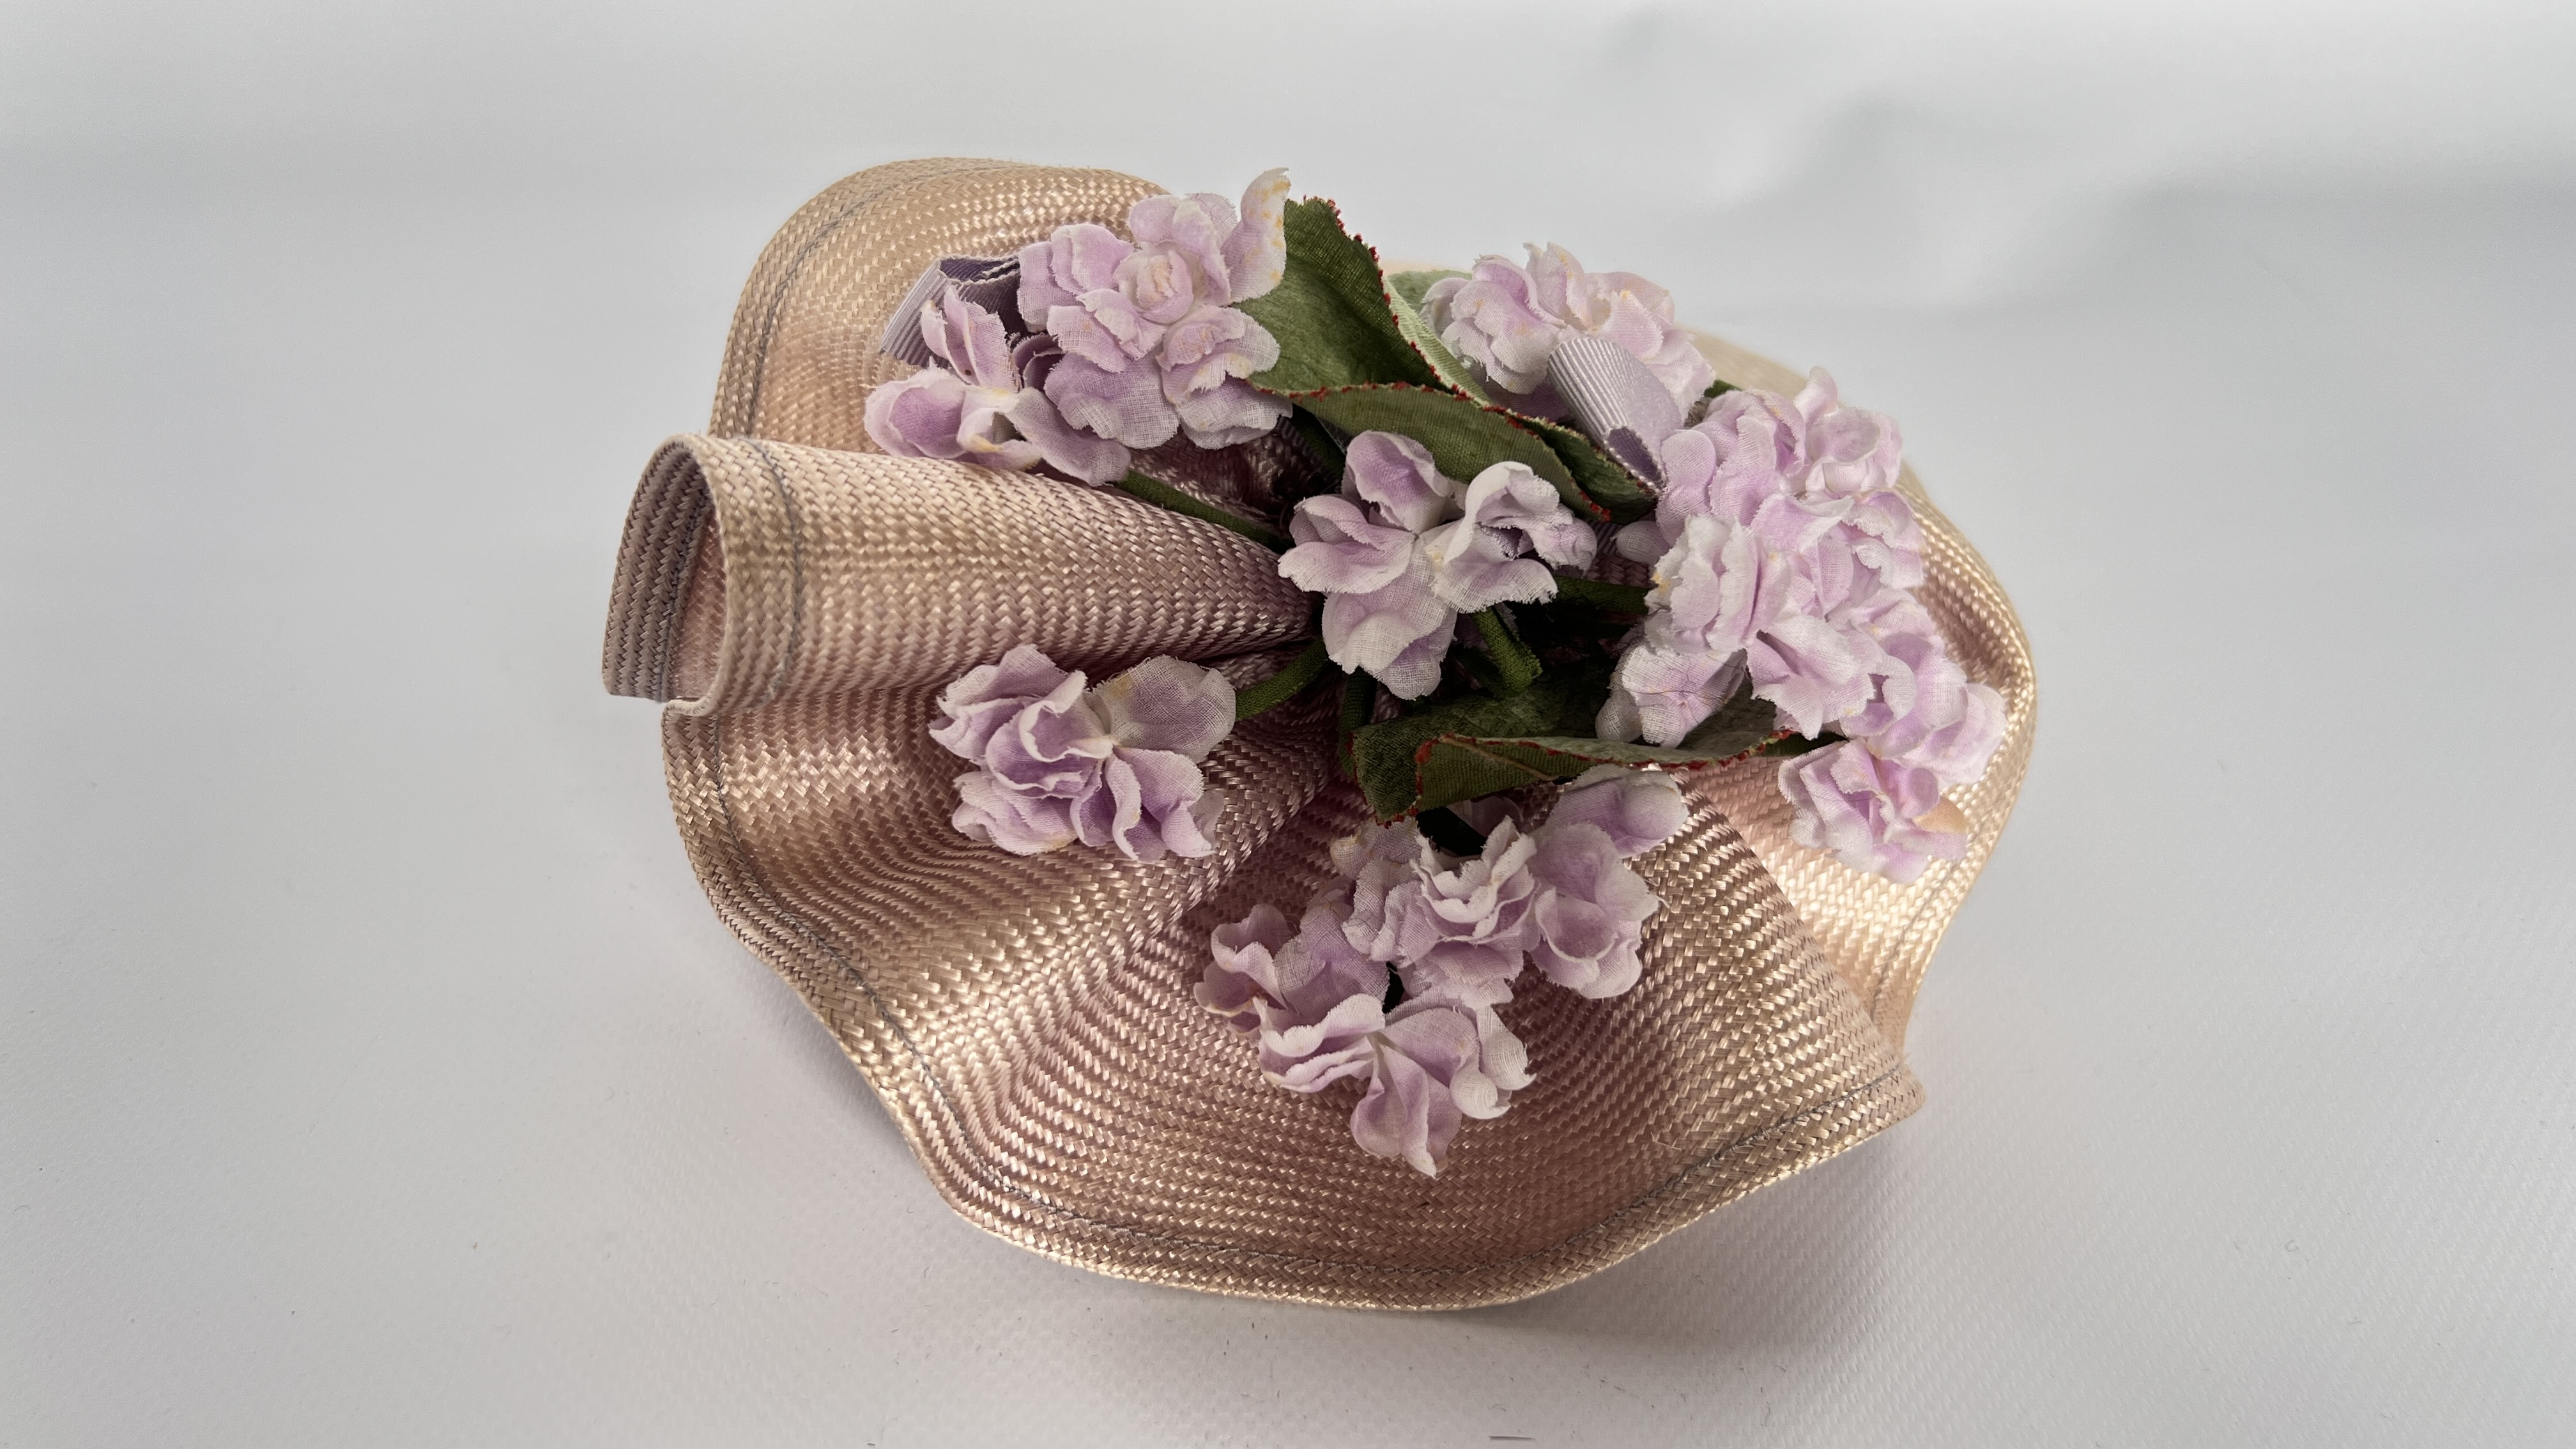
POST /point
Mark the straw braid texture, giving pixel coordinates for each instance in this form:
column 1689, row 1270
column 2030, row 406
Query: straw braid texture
column 800, row 601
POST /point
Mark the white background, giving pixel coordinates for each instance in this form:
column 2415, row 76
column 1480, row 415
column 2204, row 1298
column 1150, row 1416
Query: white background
column 372, row 1071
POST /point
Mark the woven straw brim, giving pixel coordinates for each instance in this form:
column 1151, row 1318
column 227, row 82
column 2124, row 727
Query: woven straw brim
column 800, row 600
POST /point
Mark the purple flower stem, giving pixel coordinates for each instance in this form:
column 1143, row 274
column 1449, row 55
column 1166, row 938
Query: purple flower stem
column 1164, row 495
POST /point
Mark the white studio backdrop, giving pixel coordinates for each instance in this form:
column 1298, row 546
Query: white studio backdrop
column 371, row 1070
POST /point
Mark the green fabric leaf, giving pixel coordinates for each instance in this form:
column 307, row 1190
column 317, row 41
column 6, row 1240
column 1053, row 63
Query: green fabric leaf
column 1320, row 441
column 1559, row 702
column 1462, row 767
column 1464, row 437
column 1478, row 744
column 1330, row 312
column 1742, row 724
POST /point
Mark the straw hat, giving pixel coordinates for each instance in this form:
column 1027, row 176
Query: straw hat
column 799, row 599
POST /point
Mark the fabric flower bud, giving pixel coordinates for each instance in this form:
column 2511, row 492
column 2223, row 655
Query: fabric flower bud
column 1637, row 809
column 1660, row 695
column 1628, row 310
column 1851, row 451
column 1873, row 814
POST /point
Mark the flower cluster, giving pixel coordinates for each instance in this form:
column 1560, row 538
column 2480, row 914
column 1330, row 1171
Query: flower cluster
column 1116, row 765
column 1785, row 560
column 985, row 406
column 1785, row 557
column 1403, row 550
column 1505, row 321
column 1116, row 345
column 1455, row 933
column 1152, row 343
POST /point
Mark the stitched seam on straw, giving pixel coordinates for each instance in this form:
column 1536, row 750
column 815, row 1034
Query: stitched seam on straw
column 677, row 599
column 993, row 1181
column 795, row 572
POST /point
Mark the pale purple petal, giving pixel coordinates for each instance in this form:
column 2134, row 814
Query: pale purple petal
column 1212, row 344
column 1231, row 412
column 1105, row 329
column 1126, row 407
column 1167, row 704
column 1256, row 252
column 1408, row 1113
column 1192, row 228
column 1492, row 320
column 1160, row 284
column 1873, row 814
column 1310, row 1056
column 1957, row 753
column 1811, row 670
column 987, row 696
column 1141, row 802
column 1673, row 692
column 1476, row 568
column 918, row 416
column 1341, row 550
column 970, row 340
column 1397, row 474
column 1402, row 623
column 1589, row 913
column 1242, row 965
column 1022, row 825
column 1080, row 258
column 1512, row 524
column 1466, row 925
column 1063, row 447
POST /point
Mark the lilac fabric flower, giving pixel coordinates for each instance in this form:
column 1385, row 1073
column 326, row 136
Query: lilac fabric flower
column 1874, row 814
column 1511, row 526
column 1458, row 931
column 1438, row 1062
column 1152, row 343
column 979, row 408
column 1316, row 1005
column 1114, row 766
column 1662, row 694
column 1403, row 550
column 1589, row 914
column 1504, row 320
column 1311, row 1000
column 1784, row 557
column 1464, row 925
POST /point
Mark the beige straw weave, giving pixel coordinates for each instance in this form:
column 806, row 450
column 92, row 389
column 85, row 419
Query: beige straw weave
column 800, row 599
